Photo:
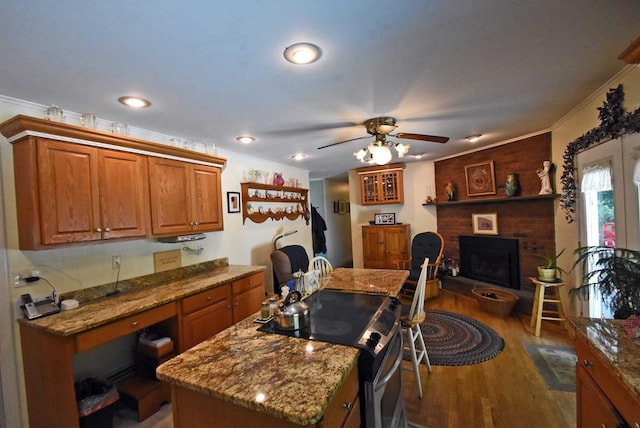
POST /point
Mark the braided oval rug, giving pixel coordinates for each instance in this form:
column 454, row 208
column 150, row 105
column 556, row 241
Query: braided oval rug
column 457, row 340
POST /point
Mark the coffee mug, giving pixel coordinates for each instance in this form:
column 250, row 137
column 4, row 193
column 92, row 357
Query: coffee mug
column 88, row 120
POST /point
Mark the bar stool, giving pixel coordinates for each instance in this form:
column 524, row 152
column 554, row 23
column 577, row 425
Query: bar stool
column 538, row 312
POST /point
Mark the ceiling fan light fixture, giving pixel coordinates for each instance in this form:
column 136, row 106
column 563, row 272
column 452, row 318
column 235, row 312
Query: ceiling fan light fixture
column 402, row 149
column 245, row 139
column 474, row 138
column 382, row 155
column 134, row 102
column 302, row 53
column 360, row 154
column 385, row 129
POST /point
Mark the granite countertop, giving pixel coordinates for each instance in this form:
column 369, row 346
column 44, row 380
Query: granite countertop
column 140, row 296
column 382, row 281
column 609, row 338
column 291, row 378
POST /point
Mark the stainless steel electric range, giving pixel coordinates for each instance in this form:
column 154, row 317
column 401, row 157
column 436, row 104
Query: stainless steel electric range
column 370, row 322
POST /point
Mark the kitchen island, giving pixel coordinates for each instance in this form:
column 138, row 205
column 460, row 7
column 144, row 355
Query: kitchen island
column 243, row 377
column 607, row 374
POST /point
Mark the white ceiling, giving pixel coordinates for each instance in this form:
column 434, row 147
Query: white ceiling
column 214, row 70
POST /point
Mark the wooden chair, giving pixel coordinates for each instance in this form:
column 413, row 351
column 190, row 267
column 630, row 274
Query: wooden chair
column 429, row 245
column 410, row 324
column 321, row 264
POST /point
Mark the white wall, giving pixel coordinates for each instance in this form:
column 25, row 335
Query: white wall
column 419, row 182
column 579, row 121
column 248, row 244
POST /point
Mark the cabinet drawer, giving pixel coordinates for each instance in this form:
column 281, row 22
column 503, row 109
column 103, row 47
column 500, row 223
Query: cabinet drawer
column 248, row 283
column 619, row 394
column 206, row 298
column 99, row 335
column 343, row 404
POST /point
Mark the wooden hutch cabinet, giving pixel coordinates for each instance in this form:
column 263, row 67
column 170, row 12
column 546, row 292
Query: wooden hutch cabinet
column 381, row 185
column 384, row 246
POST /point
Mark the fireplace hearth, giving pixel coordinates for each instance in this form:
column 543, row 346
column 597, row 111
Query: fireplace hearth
column 490, row 259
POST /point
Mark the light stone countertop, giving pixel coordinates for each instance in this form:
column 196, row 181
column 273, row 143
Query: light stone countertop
column 609, row 339
column 296, row 378
column 142, row 295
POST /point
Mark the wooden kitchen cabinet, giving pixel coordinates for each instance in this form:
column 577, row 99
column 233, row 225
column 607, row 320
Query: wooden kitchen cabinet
column 248, row 294
column 185, row 198
column 384, row 246
column 195, row 409
column 209, row 312
column 601, row 397
column 381, row 185
column 74, row 193
column 205, row 315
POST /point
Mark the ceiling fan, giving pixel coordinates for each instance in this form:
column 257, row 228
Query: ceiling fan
column 380, row 128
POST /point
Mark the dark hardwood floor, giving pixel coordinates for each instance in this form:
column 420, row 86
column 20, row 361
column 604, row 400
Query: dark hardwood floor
column 504, row 392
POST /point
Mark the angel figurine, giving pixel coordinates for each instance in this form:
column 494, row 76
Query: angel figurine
column 545, row 180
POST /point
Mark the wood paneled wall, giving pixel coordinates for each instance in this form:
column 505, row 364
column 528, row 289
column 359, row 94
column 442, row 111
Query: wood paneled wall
column 530, row 220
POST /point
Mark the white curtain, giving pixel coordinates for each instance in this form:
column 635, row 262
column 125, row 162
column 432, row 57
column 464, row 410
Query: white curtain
column 636, row 173
column 597, row 177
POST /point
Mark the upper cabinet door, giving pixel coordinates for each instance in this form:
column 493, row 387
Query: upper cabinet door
column 123, row 194
column 69, row 201
column 206, row 200
column 170, row 196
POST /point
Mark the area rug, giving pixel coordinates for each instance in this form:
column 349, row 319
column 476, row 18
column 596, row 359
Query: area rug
column 457, row 340
column 556, row 365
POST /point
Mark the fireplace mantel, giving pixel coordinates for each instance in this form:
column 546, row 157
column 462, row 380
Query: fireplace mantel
column 495, row 200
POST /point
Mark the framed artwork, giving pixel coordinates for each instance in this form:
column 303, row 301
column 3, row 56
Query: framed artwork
column 386, row 218
column 481, row 179
column 233, row 202
column 484, row 224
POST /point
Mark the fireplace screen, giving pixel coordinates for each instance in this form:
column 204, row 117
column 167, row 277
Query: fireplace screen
column 490, row 259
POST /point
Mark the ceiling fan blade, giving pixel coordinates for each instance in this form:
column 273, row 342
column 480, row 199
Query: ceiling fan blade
column 310, row 128
column 345, row 141
column 422, row 137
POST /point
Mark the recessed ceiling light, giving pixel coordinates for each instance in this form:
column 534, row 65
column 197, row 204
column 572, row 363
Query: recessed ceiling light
column 245, row 139
column 135, row 102
column 474, row 138
column 302, row 53
column 299, row 156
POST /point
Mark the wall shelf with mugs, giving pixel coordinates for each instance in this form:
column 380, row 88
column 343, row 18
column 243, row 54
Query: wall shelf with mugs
column 265, row 201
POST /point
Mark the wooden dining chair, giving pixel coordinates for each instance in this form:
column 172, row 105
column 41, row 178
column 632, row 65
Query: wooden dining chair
column 410, row 324
column 320, row 264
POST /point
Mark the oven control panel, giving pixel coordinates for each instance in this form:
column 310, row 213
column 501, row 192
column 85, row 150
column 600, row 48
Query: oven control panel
column 382, row 327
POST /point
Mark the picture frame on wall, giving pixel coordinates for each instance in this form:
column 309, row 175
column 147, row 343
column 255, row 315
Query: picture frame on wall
column 484, row 224
column 233, row 202
column 480, row 178
column 384, row 218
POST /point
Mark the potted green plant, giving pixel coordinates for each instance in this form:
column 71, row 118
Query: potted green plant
column 612, row 272
column 550, row 270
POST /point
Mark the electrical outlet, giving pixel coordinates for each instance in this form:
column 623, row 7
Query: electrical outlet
column 115, row 262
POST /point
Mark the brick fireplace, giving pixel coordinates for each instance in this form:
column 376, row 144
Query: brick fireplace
column 528, row 217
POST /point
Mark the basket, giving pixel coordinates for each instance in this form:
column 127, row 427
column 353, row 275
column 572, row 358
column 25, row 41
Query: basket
column 501, row 305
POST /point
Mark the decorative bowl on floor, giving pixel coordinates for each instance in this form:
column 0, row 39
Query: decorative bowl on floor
column 495, row 301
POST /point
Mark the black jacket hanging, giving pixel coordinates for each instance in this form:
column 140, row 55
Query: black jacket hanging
column 318, row 226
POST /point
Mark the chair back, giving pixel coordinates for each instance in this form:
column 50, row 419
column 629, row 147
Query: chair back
column 416, row 312
column 286, row 261
column 429, row 245
column 322, row 265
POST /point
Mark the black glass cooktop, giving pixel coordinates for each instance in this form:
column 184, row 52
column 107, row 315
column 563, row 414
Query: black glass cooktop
column 340, row 317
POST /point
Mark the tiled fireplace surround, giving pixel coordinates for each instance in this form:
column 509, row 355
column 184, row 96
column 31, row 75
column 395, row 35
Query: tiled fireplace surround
column 527, row 217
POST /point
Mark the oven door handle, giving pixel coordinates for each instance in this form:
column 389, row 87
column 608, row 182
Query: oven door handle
column 392, row 370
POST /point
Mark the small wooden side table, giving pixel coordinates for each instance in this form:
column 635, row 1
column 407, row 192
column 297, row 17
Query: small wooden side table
column 538, row 312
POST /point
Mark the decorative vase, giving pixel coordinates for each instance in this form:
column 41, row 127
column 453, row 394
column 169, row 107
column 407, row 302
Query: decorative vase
column 511, row 186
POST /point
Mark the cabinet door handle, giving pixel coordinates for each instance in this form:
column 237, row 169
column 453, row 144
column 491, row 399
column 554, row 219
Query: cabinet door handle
column 190, row 223
column 347, row 406
column 228, row 306
column 586, row 363
column 195, row 223
column 208, row 297
column 135, row 323
column 99, row 230
column 236, row 304
column 106, row 229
